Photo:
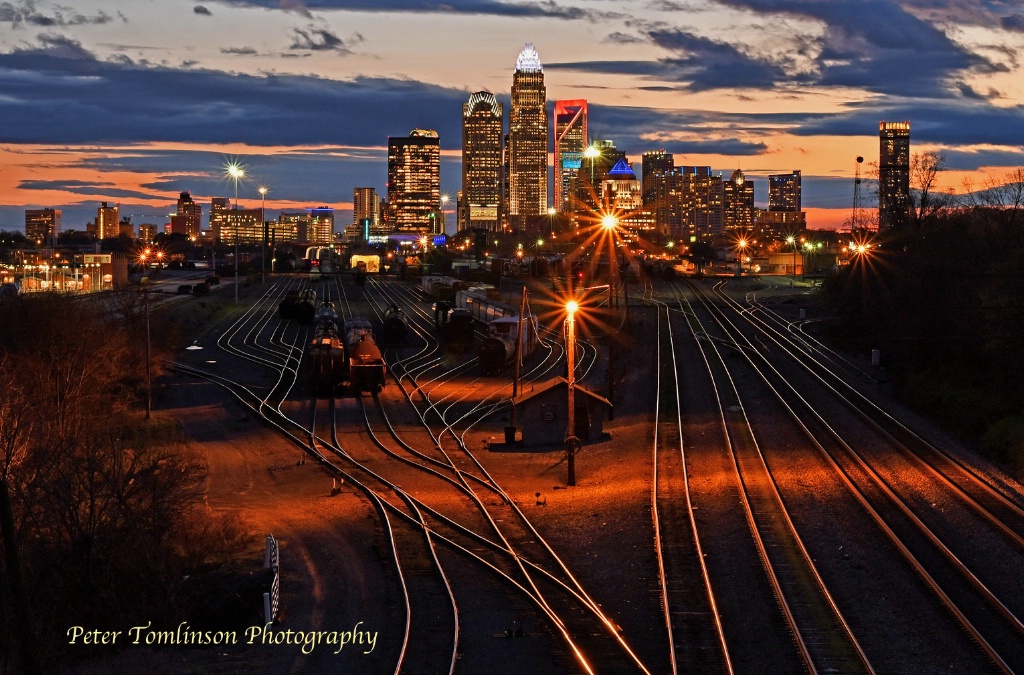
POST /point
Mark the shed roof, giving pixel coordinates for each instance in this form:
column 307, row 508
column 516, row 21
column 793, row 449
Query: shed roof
column 554, row 383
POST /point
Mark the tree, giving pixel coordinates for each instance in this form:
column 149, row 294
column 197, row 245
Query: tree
column 925, row 168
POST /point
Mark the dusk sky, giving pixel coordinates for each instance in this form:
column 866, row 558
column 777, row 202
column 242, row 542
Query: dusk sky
column 135, row 101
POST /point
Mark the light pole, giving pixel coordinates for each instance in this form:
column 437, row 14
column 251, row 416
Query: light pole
column 570, row 356
column 149, row 361
column 236, row 172
column 791, row 240
column 609, row 223
column 551, row 218
column 742, row 245
column 263, row 225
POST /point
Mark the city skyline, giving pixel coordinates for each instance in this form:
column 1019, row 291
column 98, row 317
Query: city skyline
column 110, row 102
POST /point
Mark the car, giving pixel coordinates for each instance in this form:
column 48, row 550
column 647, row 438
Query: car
column 213, row 280
column 185, row 289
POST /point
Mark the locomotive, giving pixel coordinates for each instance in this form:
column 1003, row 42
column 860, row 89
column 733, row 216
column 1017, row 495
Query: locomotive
column 366, row 369
column 326, row 354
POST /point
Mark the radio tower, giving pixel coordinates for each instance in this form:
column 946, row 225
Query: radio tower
column 855, row 218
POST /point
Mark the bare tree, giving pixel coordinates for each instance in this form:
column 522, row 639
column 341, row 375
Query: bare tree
column 925, row 168
column 1000, row 200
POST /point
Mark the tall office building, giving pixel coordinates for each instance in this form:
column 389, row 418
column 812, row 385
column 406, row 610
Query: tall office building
column 570, row 119
column 246, row 224
column 219, row 207
column 653, row 163
column 108, row 221
column 366, row 206
column 784, row 192
column 688, row 201
column 42, row 226
column 528, row 141
column 320, row 228
column 192, row 212
column 414, row 181
column 480, row 204
column 893, row 174
column 738, row 205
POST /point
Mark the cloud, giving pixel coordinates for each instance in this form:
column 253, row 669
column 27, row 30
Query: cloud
column 1014, row 22
column 543, row 8
column 239, row 51
column 313, row 39
column 199, row 9
column 24, row 12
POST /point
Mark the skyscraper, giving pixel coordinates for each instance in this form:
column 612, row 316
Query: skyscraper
column 481, row 162
column 739, row 203
column 219, row 207
column 414, row 181
column 366, row 205
column 653, row 163
column 42, row 225
column 893, row 174
column 528, row 140
column 193, row 214
column 570, row 120
column 784, row 192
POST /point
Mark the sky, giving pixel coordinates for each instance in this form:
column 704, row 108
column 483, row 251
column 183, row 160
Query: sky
column 134, row 101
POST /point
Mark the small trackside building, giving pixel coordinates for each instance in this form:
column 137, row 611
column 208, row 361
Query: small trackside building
column 543, row 412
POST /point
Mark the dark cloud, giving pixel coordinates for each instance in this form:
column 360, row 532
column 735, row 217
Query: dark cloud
column 313, row 39
column 239, row 51
column 544, row 8
column 967, row 160
column 25, row 12
column 1014, row 22
column 199, row 9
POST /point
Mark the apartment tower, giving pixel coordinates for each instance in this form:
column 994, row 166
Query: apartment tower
column 481, row 162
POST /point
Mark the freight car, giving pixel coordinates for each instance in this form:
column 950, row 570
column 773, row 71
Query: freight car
column 395, row 328
column 498, row 350
column 299, row 305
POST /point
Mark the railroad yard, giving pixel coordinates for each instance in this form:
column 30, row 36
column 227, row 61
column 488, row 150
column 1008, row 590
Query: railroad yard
column 755, row 504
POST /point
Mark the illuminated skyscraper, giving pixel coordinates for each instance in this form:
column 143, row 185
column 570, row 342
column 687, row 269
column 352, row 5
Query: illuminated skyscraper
column 654, row 163
column 42, row 226
column 321, row 225
column 481, row 162
column 193, row 214
column 219, row 207
column 108, row 221
column 528, row 141
column 414, row 181
column 570, row 141
column 784, row 192
column 893, row 174
column 738, row 207
column 366, row 206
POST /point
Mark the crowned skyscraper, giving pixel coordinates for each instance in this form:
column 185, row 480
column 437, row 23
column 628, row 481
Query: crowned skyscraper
column 893, row 174
column 481, row 162
column 528, row 141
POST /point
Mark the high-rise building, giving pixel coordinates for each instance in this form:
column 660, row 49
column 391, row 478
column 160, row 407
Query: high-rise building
column 528, row 141
column 481, row 199
column 653, row 163
column 893, row 174
column 598, row 160
column 366, row 206
column 108, row 221
column 414, row 181
column 570, row 121
column 738, row 207
column 192, row 212
column 784, row 192
column 126, row 228
column 688, row 201
column 321, row 225
column 247, row 224
column 219, row 207
column 42, row 226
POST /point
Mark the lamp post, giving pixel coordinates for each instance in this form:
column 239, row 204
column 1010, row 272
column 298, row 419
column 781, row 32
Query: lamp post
column 236, row 172
column 609, row 223
column 263, row 225
column 149, row 371
column 742, row 245
column 791, row 240
column 570, row 356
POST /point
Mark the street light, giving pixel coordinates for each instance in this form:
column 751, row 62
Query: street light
column 791, row 240
column 263, row 225
column 609, row 222
column 570, row 356
column 742, row 245
column 149, row 372
column 236, row 172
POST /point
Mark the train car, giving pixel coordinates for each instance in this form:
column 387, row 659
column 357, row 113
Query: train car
column 479, row 303
column 326, row 317
column 360, row 276
column 298, row 305
column 395, row 327
column 459, row 330
column 366, row 368
column 326, row 363
column 498, row 350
